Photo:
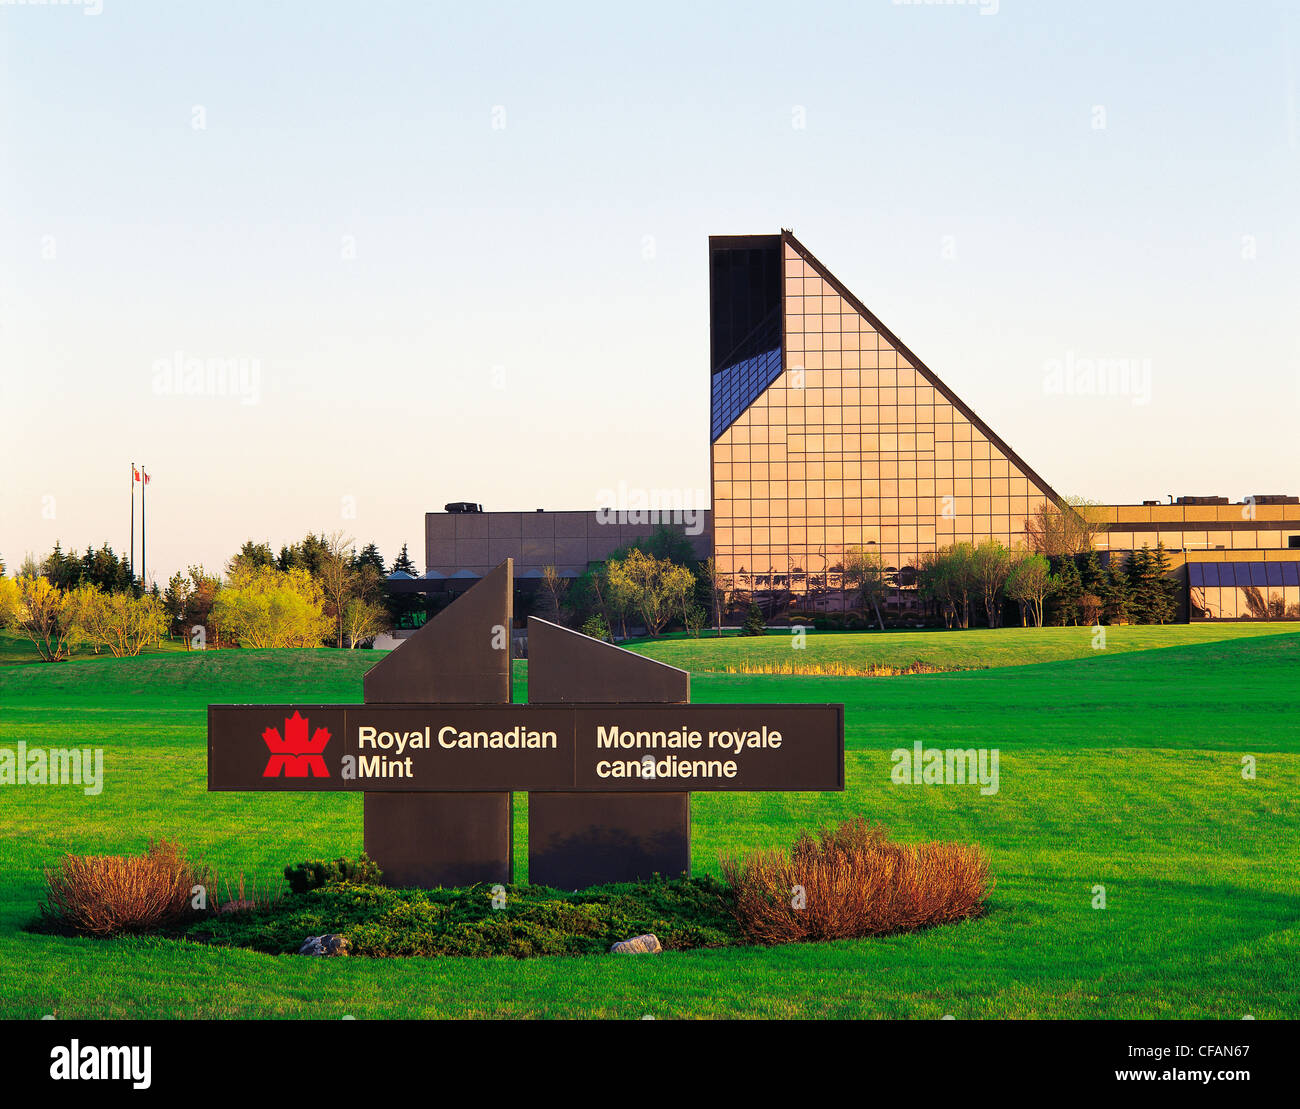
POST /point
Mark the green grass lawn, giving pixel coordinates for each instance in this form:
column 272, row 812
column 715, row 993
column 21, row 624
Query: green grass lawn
column 16, row 648
column 975, row 647
column 1119, row 767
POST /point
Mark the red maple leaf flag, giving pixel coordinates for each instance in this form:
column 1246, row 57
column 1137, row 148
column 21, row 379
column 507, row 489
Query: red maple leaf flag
column 293, row 753
column 146, row 479
column 136, row 473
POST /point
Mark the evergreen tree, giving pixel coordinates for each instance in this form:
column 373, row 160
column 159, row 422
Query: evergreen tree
column 404, row 564
column 251, row 556
column 1163, row 588
column 1092, row 574
column 370, row 556
column 1140, row 586
column 1069, row 588
column 1118, row 596
column 60, row 570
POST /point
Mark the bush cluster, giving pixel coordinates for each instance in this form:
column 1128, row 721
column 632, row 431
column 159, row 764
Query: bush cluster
column 523, row 922
column 852, row 881
column 112, row 895
column 315, row 873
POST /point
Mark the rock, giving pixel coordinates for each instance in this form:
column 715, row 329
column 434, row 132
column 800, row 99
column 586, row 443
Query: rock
column 638, row 945
column 237, row 907
column 332, row 944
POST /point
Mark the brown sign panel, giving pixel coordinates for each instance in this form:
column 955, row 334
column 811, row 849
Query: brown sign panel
column 535, row 748
column 652, row 748
column 276, row 747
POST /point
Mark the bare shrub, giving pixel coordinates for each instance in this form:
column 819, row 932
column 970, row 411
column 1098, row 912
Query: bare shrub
column 852, row 881
column 109, row 895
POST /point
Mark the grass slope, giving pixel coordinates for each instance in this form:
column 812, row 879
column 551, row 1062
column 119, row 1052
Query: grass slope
column 1119, row 767
column 975, row 647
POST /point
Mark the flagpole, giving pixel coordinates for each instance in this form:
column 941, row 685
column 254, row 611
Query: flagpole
column 132, row 525
column 144, row 481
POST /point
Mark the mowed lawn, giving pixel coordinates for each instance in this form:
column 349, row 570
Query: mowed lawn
column 1120, row 767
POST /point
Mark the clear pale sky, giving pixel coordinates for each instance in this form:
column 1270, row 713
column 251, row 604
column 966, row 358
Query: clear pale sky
column 463, row 252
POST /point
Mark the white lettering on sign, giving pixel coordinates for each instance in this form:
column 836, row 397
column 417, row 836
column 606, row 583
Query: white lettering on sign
column 669, row 767
column 516, row 738
column 614, row 736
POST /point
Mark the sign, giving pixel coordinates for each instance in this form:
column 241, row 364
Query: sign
column 534, row 748
column 609, row 750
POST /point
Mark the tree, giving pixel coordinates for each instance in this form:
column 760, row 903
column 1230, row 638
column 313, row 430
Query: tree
column 865, row 573
column 363, row 620
column 650, row 585
column 755, row 622
column 272, row 608
column 60, row 570
column 556, row 587
column 1116, row 595
column 48, row 617
column 1054, row 530
column 990, row 568
column 1154, row 593
column 123, row 623
column 403, row 564
column 11, row 597
column 666, row 543
column 371, row 557
column 719, row 588
column 251, row 556
column 681, row 585
column 1069, row 588
column 336, row 576
column 1031, row 583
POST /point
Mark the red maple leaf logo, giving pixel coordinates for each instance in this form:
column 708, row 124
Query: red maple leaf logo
column 293, row 753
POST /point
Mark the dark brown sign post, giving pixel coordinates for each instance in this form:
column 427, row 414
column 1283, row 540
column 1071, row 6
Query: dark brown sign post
column 608, row 747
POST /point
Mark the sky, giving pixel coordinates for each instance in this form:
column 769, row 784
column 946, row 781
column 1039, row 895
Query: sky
column 328, row 266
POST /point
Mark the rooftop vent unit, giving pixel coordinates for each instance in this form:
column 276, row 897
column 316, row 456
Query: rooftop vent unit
column 462, row 506
column 1202, row 500
column 1149, row 504
column 1274, row 498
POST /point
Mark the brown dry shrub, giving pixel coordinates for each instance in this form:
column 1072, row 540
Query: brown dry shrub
column 109, row 895
column 856, row 882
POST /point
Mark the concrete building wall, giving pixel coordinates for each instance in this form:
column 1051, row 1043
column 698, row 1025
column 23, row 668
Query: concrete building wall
column 476, row 542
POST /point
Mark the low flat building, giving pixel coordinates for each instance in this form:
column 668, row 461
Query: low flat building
column 463, row 546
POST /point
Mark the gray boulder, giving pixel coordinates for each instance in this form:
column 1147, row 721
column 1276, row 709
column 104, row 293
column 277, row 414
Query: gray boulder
column 332, row 944
column 638, row 945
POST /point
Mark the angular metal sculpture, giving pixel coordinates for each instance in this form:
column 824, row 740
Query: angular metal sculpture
column 577, row 840
column 461, row 656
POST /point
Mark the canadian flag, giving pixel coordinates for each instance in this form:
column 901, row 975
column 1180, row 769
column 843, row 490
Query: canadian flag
column 146, row 478
column 135, row 473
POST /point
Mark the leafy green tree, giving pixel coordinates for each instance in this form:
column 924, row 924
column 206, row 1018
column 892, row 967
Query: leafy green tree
column 755, row 622
column 272, row 608
column 363, row 620
column 666, row 543
column 863, row 572
column 49, row 617
column 123, row 623
column 10, row 600
column 1030, row 583
column 651, row 585
column 990, row 567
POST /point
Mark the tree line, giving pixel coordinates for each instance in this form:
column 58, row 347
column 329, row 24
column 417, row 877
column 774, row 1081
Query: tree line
column 319, row 591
